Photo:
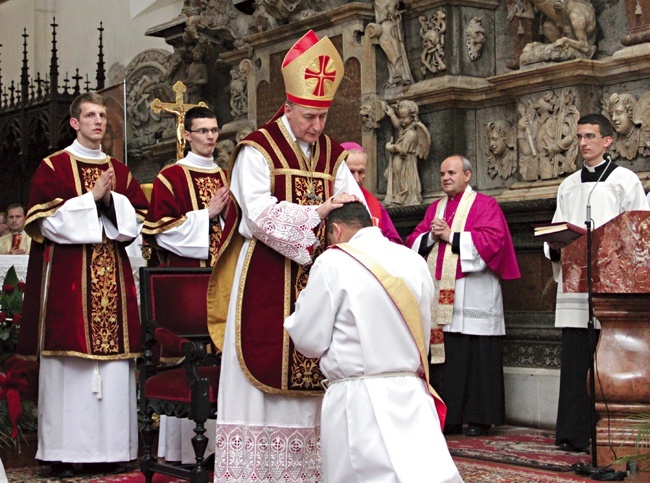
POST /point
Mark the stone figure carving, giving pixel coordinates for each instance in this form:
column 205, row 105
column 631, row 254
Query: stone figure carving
column 474, row 38
column 501, row 149
column 197, row 73
column 239, row 89
column 641, row 116
column 224, row 149
column 371, row 112
column 367, row 114
column 569, row 26
column 432, row 32
column 145, row 75
column 520, row 16
column 413, row 143
column 546, row 136
column 245, row 131
column 619, row 109
column 387, row 31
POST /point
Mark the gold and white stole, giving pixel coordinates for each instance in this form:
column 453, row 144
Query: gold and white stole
column 442, row 309
column 403, row 298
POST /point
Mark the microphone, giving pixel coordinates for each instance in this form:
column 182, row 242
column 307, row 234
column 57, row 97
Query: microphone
column 608, row 158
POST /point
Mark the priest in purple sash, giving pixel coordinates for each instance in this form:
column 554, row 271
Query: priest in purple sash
column 469, row 251
column 286, row 177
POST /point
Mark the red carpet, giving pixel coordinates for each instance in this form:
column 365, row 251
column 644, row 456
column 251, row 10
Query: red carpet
column 472, row 472
column 477, row 472
column 516, row 446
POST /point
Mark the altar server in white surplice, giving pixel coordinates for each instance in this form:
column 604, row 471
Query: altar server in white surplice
column 613, row 190
column 366, row 311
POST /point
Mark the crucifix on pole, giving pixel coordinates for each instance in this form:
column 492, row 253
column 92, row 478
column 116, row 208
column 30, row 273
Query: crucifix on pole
column 178, row 108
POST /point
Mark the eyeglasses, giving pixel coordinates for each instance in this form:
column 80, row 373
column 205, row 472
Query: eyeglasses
column 204, row 131
column 589, row 136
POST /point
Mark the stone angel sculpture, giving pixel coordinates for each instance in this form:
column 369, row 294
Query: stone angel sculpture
column 413, row 143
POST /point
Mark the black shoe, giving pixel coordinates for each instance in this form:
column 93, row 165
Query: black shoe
column 570, row 448
column 477, row 429
column 62, row 470
column 453, row 429
column 104, row 468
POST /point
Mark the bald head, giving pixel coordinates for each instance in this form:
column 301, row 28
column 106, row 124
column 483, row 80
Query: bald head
column 455, row 173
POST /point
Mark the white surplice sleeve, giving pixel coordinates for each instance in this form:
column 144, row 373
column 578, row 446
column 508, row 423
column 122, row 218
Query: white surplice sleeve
column 190, row 239
column 311, row 325
column 285, row 227
column 77, row 221
column 470, row 260
column 129, row 224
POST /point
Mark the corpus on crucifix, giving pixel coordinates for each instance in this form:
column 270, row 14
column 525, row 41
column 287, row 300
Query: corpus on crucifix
column 178, row 108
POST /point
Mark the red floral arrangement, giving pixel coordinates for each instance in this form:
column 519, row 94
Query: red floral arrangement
column 18, row 378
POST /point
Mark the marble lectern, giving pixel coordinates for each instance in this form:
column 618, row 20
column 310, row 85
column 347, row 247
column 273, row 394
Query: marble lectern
column 621, row 297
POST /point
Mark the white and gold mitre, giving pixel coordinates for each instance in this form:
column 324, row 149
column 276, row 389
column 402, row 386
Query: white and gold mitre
column 312, row 71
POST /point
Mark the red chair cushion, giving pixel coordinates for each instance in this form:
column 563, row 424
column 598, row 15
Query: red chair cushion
column 172, row 385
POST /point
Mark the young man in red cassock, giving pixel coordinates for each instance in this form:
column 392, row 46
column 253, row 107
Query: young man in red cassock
column 80, row 313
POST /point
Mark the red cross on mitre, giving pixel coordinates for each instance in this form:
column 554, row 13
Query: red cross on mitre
column 322, row 71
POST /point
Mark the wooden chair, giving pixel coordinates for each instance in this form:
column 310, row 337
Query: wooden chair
column 179, row 376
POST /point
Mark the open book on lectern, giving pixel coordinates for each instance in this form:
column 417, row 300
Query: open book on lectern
column 559, row 232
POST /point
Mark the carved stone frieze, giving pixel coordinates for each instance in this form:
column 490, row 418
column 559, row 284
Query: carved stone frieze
column 239, row 89
column 501, row 149
column 432, row 32
column 474, row 38
column 641, row 116
column 146, row 80
column 546, row 136
column 619, row 109
column 569, row 26
column 388, row 33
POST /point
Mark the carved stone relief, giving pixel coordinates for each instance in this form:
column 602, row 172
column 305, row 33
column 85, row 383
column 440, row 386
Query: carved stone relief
column 432, row 32
column 474, row 38
column 371, row 112
column 546, row 136
column 501, row 149
column 245, row 131
column 619, row 109
column 197, row 72
column 388, row 33
column 223, row 150
column 569, row 26
column 146, row 80
column 641, row 116
column 238, row 89
column 520, row 16
column 413, row 143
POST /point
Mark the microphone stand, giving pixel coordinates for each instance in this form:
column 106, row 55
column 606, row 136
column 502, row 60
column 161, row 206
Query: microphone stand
column 592, row 343
column 591, row 323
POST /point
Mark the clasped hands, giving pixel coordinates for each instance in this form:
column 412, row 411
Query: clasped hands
column 219, row 202
column 104, row 186
column 334, row 202
column 440, row 230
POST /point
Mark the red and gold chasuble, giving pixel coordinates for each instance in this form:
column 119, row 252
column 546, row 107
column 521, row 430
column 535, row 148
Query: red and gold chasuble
column 177, row 190
column 80, row 299
column 266, row 353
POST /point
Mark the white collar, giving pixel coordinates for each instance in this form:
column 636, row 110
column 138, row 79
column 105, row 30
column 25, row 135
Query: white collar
column 592, row 169
column 196, row 161
column 78, row 150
